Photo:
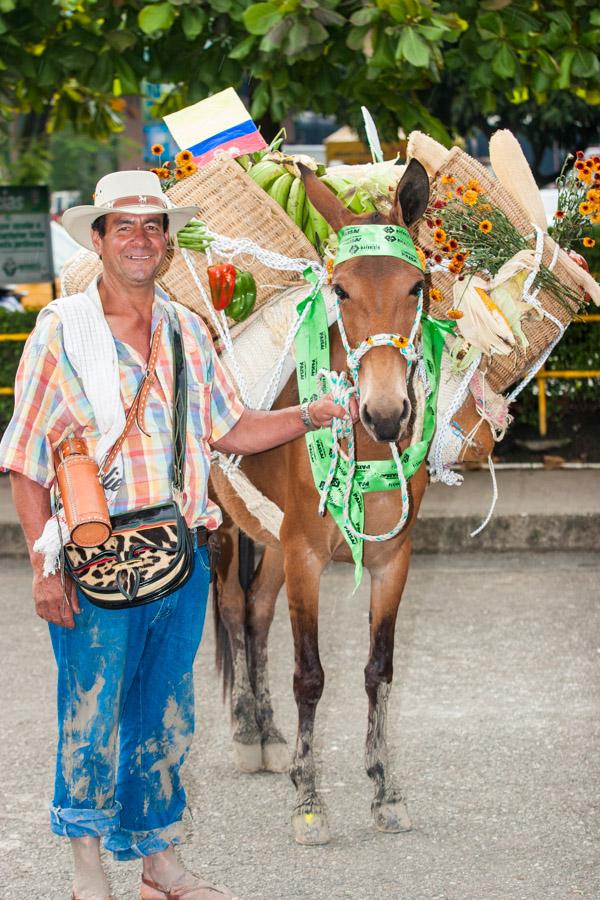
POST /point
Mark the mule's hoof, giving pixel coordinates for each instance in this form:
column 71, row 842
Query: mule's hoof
column 311, row 829
column 392, row 817
column 276, row 757
column 247, row 757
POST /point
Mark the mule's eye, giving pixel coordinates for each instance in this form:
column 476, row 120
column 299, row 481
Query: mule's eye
column 417, row 288
column 341, row 293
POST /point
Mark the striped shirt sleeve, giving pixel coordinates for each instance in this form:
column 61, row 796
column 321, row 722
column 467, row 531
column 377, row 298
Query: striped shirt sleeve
column 26, row 446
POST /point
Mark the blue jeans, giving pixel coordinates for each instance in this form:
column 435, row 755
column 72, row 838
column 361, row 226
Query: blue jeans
column 126, row 718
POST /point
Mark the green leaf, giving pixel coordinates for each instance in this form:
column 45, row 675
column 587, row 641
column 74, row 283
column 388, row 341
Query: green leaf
column 260, row 18
column 120, row 40
column 298, row 38
column 540, row 81
column 504, row 63
column 412, row 48
column 595, row 17
column 490, row 25
column 562, row 19
column 356, row 37
column 193, row 21
column 241, row 50
column 129, row 81
column 158, row 17
column 566, row 60
column 585, row 63
column 7, row 5
column 329, row 17
column 365, row 16
column 260, row 101
column 434, row 33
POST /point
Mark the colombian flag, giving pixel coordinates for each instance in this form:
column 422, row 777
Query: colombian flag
column 220, row 122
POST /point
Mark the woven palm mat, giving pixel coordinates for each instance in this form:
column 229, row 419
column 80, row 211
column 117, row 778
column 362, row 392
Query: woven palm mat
column 230, row 204
column 502, row 371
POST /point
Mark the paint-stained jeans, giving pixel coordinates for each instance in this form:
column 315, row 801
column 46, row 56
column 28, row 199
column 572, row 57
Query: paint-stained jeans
column 125, row 688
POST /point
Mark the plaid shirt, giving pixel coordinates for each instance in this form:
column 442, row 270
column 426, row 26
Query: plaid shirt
column 50, row 404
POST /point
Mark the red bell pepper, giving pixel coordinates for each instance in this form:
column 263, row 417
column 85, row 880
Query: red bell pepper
column 221, row 279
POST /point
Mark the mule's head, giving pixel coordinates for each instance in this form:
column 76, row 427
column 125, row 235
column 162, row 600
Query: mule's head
column 378, row 294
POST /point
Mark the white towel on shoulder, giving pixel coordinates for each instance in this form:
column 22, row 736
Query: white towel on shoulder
column 91, row 350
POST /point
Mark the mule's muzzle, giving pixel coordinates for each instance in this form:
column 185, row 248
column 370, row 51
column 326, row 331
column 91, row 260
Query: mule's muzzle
column 386, row 425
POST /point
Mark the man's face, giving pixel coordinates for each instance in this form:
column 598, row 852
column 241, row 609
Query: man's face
column 133, row 246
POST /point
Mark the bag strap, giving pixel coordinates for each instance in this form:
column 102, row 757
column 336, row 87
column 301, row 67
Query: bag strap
column 138, row 407
column 180, row 398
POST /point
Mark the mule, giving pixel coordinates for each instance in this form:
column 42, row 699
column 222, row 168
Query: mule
column 377, row 294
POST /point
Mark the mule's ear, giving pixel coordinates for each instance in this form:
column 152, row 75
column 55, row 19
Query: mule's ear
column 412, row 195
column 324, row 201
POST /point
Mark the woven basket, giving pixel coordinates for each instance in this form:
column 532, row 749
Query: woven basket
column 230, row 204
column 502, row 371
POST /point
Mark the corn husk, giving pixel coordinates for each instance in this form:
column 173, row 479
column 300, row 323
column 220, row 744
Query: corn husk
column 430, row 153
column 482, row 325
column 512, row 171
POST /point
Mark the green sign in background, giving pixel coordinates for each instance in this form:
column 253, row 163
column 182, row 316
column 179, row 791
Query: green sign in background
column 25, row 245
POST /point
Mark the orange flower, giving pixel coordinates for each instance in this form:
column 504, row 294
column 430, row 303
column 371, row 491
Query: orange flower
column 559, row 214
column 436, row 295
column 585, row 208
column 439, row 235
column 455, row 267
column 474, row 185
column 595, row 218
column 190, row 168
column 157, row 149
column 400, row 342
column 163, row 172
column 155, row 171
column 183, row 157
column 454, row 314
column 589, row 242
column 447, row 179
column 453, row 244
column 593, row 195
column 580, row 164
column 117, row 104
column 179, row 174
column 470, row 197
column 485, row 226
column 459, row 258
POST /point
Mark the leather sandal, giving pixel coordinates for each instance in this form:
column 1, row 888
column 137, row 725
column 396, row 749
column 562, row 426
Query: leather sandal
column 150, row 890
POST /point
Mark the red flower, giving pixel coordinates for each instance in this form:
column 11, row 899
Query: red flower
column 580, row 154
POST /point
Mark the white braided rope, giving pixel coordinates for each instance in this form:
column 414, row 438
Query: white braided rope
column 439, row 470
column 485, row 522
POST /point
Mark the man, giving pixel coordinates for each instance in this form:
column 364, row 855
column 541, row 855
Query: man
column 125, row 676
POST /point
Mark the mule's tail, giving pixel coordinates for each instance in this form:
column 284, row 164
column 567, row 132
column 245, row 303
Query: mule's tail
column 245, row 574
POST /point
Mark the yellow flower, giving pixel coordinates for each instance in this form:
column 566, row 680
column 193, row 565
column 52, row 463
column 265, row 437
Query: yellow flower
column 595, row 218
column 589, row 242
column 436, row 295
column 485, row 226
column 454, row 314
column 447, row 179
column 585, row 208
column 179, row 174
column 163, row 172
column 473, row 185
column 183, row 157
column 422, row 257
column 593, row 195
column 400, row 342
column 470, row 197
column 190, row 168
column 157, row 149
column 439, row 235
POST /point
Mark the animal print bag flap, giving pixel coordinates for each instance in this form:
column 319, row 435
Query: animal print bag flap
column 150, row 552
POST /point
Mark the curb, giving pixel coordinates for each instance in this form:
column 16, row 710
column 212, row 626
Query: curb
column 449, row 534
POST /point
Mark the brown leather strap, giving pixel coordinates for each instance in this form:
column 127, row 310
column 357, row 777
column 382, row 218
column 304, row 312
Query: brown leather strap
column 138, row 407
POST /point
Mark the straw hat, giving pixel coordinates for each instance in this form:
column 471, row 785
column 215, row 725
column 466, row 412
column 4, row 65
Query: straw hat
column 136, row 192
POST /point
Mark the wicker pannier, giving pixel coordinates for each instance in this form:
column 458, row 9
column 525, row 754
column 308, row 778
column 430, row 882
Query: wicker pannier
column 502, row 371
column 230, row 204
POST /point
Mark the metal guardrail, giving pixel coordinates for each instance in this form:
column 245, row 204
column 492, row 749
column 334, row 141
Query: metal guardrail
column 544, row 374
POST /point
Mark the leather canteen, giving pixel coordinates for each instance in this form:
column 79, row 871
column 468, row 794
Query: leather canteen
column 84, row 502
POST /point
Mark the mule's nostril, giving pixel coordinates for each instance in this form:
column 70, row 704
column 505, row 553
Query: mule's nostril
column 366, row 416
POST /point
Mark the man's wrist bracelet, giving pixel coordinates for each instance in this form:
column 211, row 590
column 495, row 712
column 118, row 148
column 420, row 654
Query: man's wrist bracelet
column 305, row 416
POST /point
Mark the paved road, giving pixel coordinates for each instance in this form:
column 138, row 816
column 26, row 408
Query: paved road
column 494, row 723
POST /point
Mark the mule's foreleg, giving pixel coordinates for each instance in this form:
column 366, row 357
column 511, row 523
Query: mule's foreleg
column 388, row 807
column 260, row 608
column 247, row 747
column 303, row 572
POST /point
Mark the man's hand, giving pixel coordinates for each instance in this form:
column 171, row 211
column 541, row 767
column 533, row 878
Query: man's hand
column 322, row 411
column 50, row 603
